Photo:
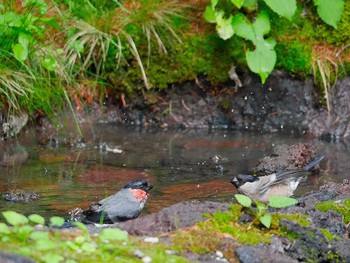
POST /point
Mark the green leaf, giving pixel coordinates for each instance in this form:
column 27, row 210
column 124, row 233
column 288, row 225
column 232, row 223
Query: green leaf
column 49, row 62
column 24, row 40
column 209, row 14
column 262, row 61
column 45, row 244
column 39, row 235
column 24, row 231
column 56, row 221
column 330, row 11
column 266, row 220
column 52, row 258
column 36, row 219
column 20, row 52
column 214, row 2
column 261, row 26
column 4, row 229
column 88, row 247
column 14, row 218
column 281, row 201
column 114, row 234
column 242, row 27
column 250, row 5
column 238, row 3
column 224, row 26
column 285, row 8
column 243, row 200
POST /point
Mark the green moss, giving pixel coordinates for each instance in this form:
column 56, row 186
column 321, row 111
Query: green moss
column 214, row 232
column 339, row 36
column 301, row 219
column 206, row 55
column 342, row 208
column 295, row 57
column 328, row 234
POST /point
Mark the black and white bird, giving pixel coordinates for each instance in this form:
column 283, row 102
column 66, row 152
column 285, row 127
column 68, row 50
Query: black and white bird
column 124, row 205
column 281, row 183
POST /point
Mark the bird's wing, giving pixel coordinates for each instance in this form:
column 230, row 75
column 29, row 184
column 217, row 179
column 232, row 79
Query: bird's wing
column 121, row 206
column 284, row 176
column 265, row 182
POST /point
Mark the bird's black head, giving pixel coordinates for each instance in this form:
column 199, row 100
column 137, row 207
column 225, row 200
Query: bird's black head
column 139, row 184
column 241, row 179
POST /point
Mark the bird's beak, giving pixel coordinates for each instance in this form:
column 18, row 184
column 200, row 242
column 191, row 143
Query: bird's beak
column 149, row 187
column 234, row 181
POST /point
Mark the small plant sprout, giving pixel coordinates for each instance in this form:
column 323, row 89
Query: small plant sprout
column 260, row 210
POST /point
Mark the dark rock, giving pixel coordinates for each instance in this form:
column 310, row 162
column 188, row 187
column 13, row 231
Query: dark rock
column 333, row 125
column 342, row 247
column 245, row 218
column 286, row 157
column 171, row 218
column 13, row 258
column 310, row 244
column 21, row 196
column 273, row 253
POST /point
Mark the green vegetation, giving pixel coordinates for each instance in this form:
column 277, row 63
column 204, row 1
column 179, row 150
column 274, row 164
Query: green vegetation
column 230, row 19
column 341, row 208
column 90, row 50
column 111, row 245
column 259, row 210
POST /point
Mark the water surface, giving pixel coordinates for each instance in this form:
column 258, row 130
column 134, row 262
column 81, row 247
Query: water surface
column 182, row 165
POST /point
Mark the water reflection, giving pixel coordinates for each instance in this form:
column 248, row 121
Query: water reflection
column 182, row 166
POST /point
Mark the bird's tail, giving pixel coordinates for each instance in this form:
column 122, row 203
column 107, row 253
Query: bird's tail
column 313, row 163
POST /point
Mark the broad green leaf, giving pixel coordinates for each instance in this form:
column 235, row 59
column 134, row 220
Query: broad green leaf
column 52, row 258
column 49, row 63
column 243, row 200
column 261, row 61
column 39, row 235
column 281, row 201
column 4, row 229
column 24, row 40
column 45, row 244
column 238, row 3
column 242, row 27
column 14, row 218
column 285, row 8
column 113, row 234
column 224, row 26
column 261, row 26
column 330, row 11
column 56, row 221
column 24, row 231
column 88, row 247
column 214, row 2
column 20, row 52
column 266, row 220
column 36, row 219
column 250, row 5
column 209, row 14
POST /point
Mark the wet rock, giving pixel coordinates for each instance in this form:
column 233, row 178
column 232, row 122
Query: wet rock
column 14, row 124
column 342, row 247
column 333, row 125
column 273, row 253
column 11, row 155
column 310, row 245
column 171, row 218
column 21, row 196
column 13, row 258
column 286, row 157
